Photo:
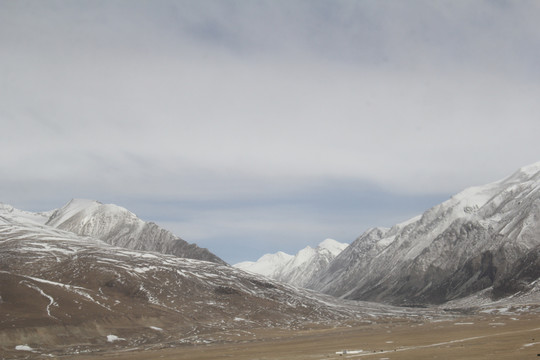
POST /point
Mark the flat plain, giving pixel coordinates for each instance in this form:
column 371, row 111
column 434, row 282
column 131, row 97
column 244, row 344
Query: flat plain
column 484, row 336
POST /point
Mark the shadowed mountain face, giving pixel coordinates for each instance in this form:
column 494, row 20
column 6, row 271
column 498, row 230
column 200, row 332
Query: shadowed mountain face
column 486, row 237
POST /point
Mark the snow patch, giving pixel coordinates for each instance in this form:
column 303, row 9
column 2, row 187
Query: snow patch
column 113, row 338
column 349, row 352
column 333, row 246
column 51, row 299
column 23, row 348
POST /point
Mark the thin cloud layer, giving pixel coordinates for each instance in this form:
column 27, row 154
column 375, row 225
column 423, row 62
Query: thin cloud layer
column 141, row 102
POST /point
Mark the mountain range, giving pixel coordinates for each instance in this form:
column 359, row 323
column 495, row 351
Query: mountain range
column 114, row 225
column 62, row 293
column 300, row 269
column 89, row 276
column 484, row 240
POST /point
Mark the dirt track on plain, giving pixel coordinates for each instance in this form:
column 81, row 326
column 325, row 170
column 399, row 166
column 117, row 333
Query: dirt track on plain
column 478, row 337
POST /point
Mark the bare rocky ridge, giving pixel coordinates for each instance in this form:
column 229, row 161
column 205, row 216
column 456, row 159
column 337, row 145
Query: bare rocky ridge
column 484, row 238
column 120, row 227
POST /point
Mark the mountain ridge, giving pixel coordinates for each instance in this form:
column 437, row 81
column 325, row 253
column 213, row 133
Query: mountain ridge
column 115, row 225
column 297, row 269
column 452, row 250
column 484, row 239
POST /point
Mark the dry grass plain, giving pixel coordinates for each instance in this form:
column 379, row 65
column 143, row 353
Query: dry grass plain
column 475, row 337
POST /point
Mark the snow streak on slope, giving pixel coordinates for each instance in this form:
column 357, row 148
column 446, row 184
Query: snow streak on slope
column 299, row 269
column 473, row 241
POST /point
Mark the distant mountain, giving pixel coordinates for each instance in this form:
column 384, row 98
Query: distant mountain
column 297, row 270
column 9, row 212
column 484, row 239
column 61, row 293
column 120, row 227
column 268, row 265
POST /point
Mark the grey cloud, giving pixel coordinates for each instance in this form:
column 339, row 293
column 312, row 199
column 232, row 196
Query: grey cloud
column 233, row 100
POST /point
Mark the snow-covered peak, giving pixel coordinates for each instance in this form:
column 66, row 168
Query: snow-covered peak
column 335, row 247
column 298, row 269
column 85, row 210
column 78, row 203
column 308, row 253
column 530, row 170
column 5, row 208
column 276, row 258
column 23, row 216
column 469, row 201
column 525, row 174
column 267, row 264
column 279, row 256
column 303, row 256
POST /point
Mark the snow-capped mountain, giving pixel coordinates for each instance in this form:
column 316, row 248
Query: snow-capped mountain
column 62, row 293
column 9, row 212
column 297, row 270
column 268, row 265
column 120, row 227
column 486, row 238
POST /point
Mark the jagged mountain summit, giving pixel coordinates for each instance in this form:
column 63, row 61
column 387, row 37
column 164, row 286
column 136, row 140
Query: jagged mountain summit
column 299, row 269
column 65, row 294
column 484, row 239
column 115, row 225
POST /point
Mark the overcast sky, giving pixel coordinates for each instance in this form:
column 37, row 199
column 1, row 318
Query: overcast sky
column 256, row 126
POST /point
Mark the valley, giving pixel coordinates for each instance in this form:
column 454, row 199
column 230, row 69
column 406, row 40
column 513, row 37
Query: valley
column 480, row 336
column 269, row 180
column 462, row 280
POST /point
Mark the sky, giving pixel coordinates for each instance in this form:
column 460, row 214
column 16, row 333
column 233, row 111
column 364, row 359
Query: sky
column 250, row 127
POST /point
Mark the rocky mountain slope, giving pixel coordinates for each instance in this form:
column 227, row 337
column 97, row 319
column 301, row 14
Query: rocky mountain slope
column 116, row 226
column 297, row 270
column 484, row 239
column 61, row 293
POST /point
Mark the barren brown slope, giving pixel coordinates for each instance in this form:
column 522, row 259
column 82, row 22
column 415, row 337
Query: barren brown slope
column 64, row 294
